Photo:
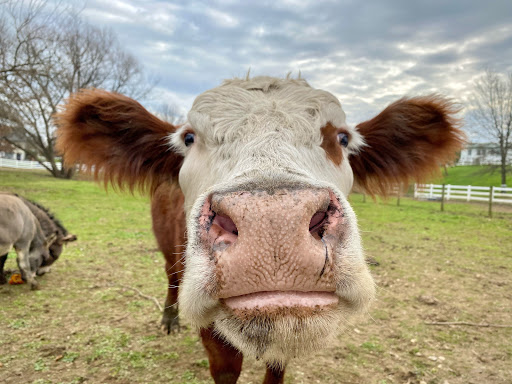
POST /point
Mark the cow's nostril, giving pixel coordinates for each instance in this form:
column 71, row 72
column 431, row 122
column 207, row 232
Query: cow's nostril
column 317, row 221
column 226, row 224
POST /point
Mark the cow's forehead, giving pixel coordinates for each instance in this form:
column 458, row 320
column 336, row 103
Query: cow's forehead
column 265, row 102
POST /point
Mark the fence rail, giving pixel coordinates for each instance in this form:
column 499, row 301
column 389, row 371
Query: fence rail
column 24, row 164
column 463, row 192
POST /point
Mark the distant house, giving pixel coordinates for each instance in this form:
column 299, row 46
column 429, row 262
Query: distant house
column 482, row 154
column 9, row 151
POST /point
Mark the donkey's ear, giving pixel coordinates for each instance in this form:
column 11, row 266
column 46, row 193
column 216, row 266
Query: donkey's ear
column 69, row 238
column 407, row 141
column 114, row 135
column 50, row 239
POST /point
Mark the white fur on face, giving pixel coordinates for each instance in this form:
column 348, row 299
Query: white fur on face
column 266, row 130
column 262, row 125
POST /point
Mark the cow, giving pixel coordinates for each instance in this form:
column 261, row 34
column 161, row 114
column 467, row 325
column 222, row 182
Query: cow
column 249, row 203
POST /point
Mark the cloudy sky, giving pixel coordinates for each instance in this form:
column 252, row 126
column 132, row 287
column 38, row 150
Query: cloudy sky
column 367, row 53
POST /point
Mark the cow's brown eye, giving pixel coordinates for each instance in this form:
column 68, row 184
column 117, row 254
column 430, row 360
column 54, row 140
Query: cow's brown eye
column 343, row 139
column 189, row 138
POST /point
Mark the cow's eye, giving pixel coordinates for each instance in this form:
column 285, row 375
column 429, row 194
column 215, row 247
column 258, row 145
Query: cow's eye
column 343, row 139
column 189, row 139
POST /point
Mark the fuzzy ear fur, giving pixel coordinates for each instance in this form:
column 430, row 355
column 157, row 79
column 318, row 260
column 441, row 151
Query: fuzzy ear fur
column 407, row 141
column 114, row 135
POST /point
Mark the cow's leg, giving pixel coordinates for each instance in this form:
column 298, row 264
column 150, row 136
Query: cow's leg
column 27, row 273
column 170, row 319
column 3, row 258
column 225, row 360
column 169, row 227
column 274, row 375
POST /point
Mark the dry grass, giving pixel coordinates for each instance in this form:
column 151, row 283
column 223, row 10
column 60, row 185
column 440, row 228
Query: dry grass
column 81, row 327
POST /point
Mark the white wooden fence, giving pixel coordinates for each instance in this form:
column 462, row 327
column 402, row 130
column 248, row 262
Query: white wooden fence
column 463, row 192
column 23, row 164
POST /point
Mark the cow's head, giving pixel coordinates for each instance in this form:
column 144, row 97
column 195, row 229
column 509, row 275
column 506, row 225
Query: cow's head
column 274, row 258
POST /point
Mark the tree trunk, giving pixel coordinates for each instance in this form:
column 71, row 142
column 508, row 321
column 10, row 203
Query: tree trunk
column 65, row 173
column 503, row 168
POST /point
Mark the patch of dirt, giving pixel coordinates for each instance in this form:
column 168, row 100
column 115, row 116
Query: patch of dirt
column 81, row 328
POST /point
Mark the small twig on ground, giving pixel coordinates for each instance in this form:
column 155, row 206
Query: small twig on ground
column 153, row 299
column 121, row 318
column 479, row 357
column 486, row 325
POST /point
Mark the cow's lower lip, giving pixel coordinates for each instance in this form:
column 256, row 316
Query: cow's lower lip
column 282, row 299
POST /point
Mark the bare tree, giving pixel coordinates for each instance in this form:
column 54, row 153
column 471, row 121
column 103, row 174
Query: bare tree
column 47, row 53
column 170, row 113
column 492, row 112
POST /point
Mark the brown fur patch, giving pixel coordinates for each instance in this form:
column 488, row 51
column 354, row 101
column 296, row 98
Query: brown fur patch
column 225, row 360
column 169, row 227
column 330, row 143
column 117, row 137
column 410, row 139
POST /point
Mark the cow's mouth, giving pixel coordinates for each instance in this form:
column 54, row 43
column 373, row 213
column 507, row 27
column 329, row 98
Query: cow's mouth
column 282, row 300
column 278, row 325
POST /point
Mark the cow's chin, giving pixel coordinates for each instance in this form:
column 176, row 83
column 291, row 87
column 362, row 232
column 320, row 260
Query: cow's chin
column 278, row 334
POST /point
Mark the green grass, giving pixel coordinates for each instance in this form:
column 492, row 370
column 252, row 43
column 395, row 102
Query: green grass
column 82, row 327
column 481, row 175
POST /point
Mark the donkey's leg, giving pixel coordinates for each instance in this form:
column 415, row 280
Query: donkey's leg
column 225, row 360
column 274, row 375
column 42, row 270
column 24, row 265
column 3, row 258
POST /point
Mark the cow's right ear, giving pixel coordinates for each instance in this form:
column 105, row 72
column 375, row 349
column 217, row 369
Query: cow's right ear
column 116, row 137
column 409, row 140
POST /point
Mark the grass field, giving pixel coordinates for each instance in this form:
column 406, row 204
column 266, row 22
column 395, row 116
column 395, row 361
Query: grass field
column 482, row 175
column 83, row 327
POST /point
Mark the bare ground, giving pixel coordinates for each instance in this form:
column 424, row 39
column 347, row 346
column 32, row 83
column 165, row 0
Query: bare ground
column 82, row 327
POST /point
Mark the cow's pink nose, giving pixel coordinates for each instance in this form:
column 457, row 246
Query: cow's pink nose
column 225, row 226
column 282, row 241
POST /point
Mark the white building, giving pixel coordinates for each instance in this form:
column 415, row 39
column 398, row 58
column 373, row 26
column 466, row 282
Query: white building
column 482, row 154
column 9, row 151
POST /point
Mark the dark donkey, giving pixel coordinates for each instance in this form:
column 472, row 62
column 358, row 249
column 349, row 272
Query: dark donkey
column 27, row 225
column 50, row 225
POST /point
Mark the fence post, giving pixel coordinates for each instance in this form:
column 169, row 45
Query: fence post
column 442, row 199
column 491, row 197
column 431, row 193
column 469, row 193
column 448, row 190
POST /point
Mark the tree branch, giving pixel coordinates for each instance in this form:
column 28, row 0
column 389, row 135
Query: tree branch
column 151, row 298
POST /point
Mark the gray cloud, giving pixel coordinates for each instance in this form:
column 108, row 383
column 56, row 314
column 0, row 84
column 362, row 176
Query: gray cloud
column 366, row 53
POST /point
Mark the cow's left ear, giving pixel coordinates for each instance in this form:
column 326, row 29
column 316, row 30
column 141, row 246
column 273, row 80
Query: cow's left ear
column 407, row 141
